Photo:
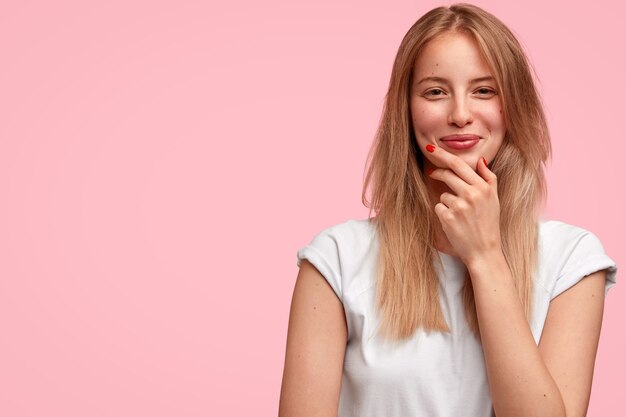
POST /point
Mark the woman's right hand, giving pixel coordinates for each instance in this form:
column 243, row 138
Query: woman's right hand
column 316, row 346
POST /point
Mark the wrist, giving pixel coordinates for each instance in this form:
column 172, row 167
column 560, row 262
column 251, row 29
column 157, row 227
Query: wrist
column 492, row 261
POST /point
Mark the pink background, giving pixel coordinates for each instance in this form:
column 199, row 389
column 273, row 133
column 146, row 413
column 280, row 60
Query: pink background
column 162, row 162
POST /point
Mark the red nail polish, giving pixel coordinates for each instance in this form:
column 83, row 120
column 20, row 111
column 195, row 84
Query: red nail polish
column 429, row 171
column 484, row 161
column 430, row 148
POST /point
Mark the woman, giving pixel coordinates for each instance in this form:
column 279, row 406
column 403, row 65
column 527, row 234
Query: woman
column 456, row 299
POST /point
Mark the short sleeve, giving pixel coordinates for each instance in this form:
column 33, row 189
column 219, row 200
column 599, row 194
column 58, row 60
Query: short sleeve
column 585, row 256
column 323, row 253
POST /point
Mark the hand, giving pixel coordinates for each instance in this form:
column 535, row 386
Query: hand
column 470, row 217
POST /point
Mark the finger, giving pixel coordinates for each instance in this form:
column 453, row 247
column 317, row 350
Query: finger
column 451, row 179
column 483, row 170
column 449, row 200
column 445, row 159
column 440, row 211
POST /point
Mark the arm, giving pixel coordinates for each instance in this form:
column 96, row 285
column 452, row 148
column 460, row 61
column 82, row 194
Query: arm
column 316, row 344
column 524, row 379
column 570, row 337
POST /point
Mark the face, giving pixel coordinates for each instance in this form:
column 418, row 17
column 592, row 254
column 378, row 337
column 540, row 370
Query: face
column 454, row 93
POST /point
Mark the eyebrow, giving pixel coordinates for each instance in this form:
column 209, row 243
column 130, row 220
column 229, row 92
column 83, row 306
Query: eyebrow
column 439, row 79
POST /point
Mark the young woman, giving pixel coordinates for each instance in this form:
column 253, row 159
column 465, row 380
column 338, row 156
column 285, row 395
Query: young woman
column 456, row 299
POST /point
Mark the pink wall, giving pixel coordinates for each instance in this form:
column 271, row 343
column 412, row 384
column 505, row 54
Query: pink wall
column 161, row 163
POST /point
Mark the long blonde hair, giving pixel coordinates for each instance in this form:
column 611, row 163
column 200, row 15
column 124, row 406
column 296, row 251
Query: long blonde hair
column 408, row 288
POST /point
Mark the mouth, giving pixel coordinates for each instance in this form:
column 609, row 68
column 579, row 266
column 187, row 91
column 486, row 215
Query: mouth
column 460, row 141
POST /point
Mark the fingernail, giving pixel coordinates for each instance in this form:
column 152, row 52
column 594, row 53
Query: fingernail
column 430, row 148
column 485, row 161
column 429, row 171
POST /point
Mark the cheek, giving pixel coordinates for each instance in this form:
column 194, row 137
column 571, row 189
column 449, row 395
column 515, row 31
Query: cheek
column 493, row 117
column 427, row 120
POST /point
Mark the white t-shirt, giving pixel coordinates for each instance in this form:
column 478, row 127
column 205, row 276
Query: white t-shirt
column 437, row 374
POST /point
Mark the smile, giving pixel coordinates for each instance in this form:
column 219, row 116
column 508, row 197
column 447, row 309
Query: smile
column 461, row 143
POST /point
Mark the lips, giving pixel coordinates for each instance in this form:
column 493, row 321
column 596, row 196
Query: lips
column 460, row 138
column 460, row 141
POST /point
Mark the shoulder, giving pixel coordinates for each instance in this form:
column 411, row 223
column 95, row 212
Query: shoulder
column 560, row 240
column 555, row 229
column 337, row 251
column 345, row 236
column 568, row 253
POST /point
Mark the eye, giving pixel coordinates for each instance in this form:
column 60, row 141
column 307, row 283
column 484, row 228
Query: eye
column 485, row 91
column 435, row 92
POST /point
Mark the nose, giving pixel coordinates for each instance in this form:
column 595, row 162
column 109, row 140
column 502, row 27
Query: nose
column 460, row 113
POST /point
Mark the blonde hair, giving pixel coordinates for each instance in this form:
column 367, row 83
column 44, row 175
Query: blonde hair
column 407, row 291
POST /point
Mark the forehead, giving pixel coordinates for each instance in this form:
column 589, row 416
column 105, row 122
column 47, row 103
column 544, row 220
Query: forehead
column 451, row 52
